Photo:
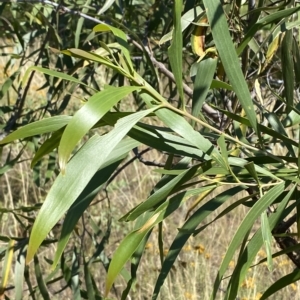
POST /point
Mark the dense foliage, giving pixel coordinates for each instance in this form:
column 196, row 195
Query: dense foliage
column 220, row 78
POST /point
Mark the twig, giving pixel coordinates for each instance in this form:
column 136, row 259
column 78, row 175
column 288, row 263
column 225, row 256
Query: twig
column 287, row 241
column 139, row 156
column 22, row 96
column 187, row 90
column 160, row 66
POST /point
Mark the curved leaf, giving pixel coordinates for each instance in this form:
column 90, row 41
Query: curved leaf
column 89, row 193
column 281, row 283
column 187, row 230
column 106, row 6
column 36, row 128
column 246, row 224
column 47, row 147
column 131, row 242
column 53, row 73
column 205, row 73
column 162, row 193
column 229, row 57
column 186, row 20
column 279, row 15
column 127, row 247
column 66, row 189
column 288, row 69
column 255, row 244
column 96, row 107
column 6, row 267
column 179, row 125
column 175, row 50
column 121, row 39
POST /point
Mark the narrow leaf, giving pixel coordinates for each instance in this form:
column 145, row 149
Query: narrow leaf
column 159, row 195
column 40, row 279
column 96, row 107
column 47, row 147
column 89, row 193
column 127, row 247
column 246, row 224
column 186, row 20
column 217, row 84
column 175, row 50
column 229, row 58
column 80, row 170
column 131, row 242
column 281, row 283
column 288, row 68
column 187, row 230
column 80, row 22
column 121, row 39
column 278, row 127
column 53, row 73
column 89, row 282
column 36, row 128
column 267, row 238
column 296, row 59
column 6, row 267
column 19, row 273
column 179, row 125
column 106, row 6
column 205, row 73
column 269, row 19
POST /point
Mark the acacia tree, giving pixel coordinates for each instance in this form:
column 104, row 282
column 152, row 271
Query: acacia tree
column 240, row 52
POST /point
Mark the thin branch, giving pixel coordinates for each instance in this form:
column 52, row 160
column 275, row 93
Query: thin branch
column 160, row 66
column 187, row 90
column 287, row 241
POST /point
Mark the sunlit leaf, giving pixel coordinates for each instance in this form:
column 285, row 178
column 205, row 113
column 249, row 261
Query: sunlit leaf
column 121, row 39
column 6, row 267
column 39, row 127
column 80, row 22
column 85, row 118
column 79, row 171
column 89, row 193
column 106, row 6
column 263, row 22
column 53, row 73
column 19, row 273
column 186, row 20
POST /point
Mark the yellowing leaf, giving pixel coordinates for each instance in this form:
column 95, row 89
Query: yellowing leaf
column 198, row 38
column 272, row 49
